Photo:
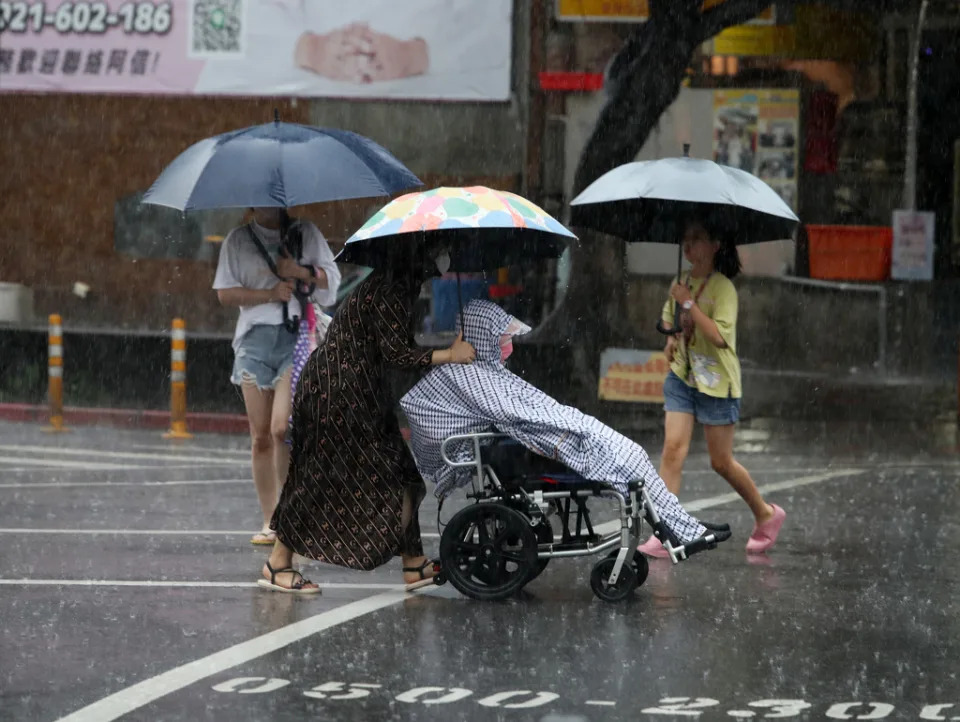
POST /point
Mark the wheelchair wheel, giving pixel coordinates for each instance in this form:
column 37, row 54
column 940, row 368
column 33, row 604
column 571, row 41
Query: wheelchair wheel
column 641, row 567
column 544, row 533
column 488, row 551
column 626, row 582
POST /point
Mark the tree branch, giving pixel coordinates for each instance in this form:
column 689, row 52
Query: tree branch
column 632, row 49
column 732, row 12
column 662, row 8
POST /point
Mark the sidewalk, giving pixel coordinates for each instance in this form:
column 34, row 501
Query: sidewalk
column 198, row 422
column 769, row 395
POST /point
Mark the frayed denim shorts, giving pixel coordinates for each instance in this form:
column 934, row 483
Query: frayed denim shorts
column 708, row 410
column 265, row 354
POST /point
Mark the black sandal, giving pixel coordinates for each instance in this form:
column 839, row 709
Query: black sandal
column 424, row 579
column 295, row 588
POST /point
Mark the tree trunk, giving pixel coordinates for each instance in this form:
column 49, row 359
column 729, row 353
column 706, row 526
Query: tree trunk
column 590, row 316
column 643, row 81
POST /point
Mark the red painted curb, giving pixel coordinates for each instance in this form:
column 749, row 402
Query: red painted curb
column 209, row 423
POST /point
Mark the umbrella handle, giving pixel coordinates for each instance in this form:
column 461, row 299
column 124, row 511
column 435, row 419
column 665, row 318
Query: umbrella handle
column 463, row 323
column 667, row 331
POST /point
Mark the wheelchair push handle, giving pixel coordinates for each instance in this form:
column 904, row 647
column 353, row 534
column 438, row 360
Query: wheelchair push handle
column 475, row 438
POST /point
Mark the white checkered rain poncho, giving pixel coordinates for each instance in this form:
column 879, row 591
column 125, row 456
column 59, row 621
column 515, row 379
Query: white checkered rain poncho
column 464, row 399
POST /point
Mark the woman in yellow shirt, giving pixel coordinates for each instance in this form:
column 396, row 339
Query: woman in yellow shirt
column 703, row 384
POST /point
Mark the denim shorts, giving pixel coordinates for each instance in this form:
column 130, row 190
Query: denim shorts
column 264, row 355
column 708, row 410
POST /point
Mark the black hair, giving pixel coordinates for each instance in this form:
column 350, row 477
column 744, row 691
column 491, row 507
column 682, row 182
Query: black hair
column 409, row 259
column 727, row 258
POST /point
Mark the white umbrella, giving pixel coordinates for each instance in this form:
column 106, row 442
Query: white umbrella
column 649, row 200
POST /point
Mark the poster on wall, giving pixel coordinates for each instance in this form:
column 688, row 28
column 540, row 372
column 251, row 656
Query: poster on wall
column 632, row 375
column 758, row 131
column 417, row 49
column 913, row 246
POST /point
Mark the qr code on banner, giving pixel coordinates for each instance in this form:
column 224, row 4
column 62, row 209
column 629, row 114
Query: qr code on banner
column 217, row 28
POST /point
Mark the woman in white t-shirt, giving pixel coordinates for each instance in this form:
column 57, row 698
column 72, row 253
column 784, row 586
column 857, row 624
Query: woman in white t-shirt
column 263, row 344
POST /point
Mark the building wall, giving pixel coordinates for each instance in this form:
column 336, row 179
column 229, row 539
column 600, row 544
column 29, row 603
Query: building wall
column 66, row 160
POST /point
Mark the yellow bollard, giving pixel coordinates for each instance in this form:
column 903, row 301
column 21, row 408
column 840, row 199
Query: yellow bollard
column 178, row 382
column 55, row 375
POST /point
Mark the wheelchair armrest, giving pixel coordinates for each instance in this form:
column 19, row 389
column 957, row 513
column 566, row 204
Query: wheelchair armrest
column 476, row 439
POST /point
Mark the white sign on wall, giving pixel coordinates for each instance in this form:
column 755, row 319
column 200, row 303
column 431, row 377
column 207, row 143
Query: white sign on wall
column 913, row 243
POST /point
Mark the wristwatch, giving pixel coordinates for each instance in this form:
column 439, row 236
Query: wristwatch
column 687, row 305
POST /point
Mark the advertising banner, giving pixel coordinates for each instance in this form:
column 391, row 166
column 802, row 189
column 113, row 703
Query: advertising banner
column 415, row 49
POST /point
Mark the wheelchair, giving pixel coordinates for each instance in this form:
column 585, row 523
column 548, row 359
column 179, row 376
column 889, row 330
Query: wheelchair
column 491, row 549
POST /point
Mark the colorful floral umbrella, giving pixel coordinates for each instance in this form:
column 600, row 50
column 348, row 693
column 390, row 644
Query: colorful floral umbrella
column 482, row 228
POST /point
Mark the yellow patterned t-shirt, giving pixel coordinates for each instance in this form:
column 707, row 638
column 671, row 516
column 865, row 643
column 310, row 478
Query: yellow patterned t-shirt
column 711, row 370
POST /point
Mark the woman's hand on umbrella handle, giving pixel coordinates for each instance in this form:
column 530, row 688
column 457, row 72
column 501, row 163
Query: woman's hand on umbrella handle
column 461, row 352
column 680, row 293
column 282, row 291
column 288, row 268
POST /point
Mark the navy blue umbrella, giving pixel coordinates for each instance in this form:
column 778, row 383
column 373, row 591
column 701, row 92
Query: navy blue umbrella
column 279, row 165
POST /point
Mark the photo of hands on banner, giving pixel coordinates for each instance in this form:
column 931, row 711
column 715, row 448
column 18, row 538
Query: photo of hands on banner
column 445, row 49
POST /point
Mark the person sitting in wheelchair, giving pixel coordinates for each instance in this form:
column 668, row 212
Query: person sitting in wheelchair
column 485, row 396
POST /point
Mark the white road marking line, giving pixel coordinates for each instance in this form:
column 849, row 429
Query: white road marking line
column 190, row 448
column 759, row 470
column 721, row 499
column 42, row 466
column 175, row 482
column 143, row 693
column 600, row 703
column 775, row 486
column 144, row 532
column 136, row 532
column 184, row 584
column 79, row 464
column 602, row 528
column 103, row 453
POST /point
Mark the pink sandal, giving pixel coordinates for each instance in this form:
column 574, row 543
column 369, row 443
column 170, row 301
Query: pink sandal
column 764, row 535
column 653, row 548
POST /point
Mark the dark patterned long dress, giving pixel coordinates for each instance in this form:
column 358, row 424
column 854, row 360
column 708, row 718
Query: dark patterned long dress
column 349, row 466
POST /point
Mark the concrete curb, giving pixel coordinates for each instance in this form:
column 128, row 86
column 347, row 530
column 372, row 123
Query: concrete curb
column 197, row 422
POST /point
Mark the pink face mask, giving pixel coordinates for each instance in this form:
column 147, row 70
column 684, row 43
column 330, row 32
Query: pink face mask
column 506, row 347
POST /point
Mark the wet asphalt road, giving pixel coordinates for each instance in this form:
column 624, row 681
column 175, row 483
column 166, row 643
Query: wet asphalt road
column 127, row 591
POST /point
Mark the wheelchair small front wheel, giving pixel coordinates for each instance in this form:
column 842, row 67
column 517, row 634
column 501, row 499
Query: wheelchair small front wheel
column 600, row 581
column 641, row 567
